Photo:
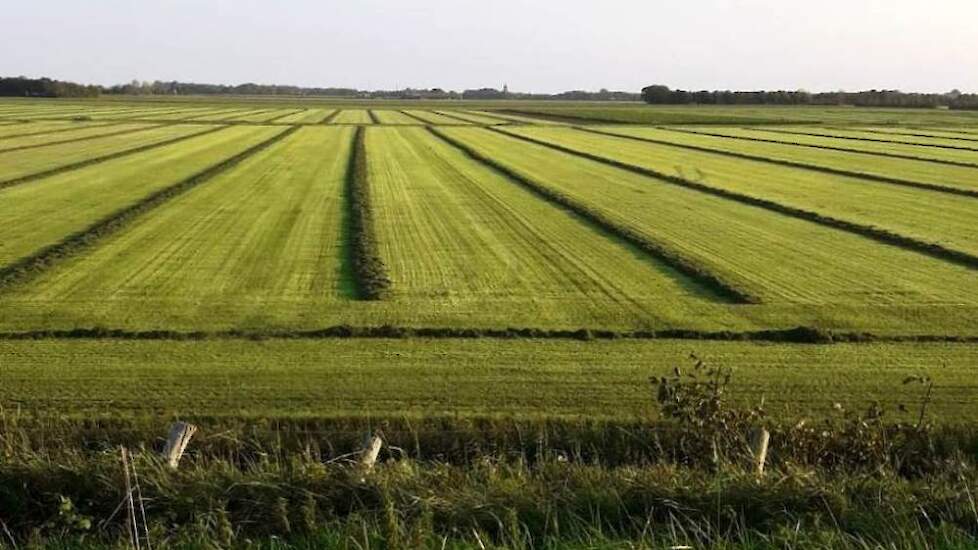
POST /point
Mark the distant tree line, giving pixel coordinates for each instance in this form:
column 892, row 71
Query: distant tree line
column 44, row 87
column 663, row 95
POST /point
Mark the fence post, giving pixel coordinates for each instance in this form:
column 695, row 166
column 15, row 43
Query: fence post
column 177, row 441
column 368, row 457
column 759, row 440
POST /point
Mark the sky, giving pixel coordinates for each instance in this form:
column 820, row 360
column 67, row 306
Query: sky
column 533, row 46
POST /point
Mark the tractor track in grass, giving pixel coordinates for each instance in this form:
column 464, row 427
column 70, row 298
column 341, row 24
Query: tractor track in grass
column 373, row 116
column 372, row 279
column 33, row 265
column 104, row 158
column 795, row 335
column 659, row 251
column 84, row 138
column 825, row 147
column 880, row 235
column 789, row 163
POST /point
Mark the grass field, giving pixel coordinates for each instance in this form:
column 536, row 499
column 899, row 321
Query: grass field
column 747, row 246
column 352, row 116
column 42, row 213
column 489, row 286
column 310, row 378
column 897, row 170
column 928, row 216
column 271, row 256
column 463, row 242
column 130, row 220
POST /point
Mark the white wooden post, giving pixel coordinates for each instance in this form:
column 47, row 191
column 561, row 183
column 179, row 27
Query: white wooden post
column 760, row 438
column 177, row 441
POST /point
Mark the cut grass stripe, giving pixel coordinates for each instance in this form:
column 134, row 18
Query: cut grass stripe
column 111, row 156
column 783, row 162
column 74, row 128
column 82, row 138
column 372, row 280
column 31, row 266
column 935, row 135
column 869, row 139
column 877, row 234
column 659, row 251
column 821, row 146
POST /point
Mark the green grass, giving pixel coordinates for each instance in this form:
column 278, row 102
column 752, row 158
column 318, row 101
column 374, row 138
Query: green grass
column 600, row 379
column 432, row 117
column 967, row 150
column 913, row 171
column 13, row 130
column 461, row 242
column 775, row 257
column 927, row 216
column 257, row 246
column 18, row 164
column 471, row 117
column 510, row 117
column 78, row 134
column 307, row 116
column 41, row 213
column 794, row 135
column 263, row 116
column 387, row 116
column 352, row 116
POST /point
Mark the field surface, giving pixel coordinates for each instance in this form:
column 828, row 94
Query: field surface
column 227, row 256
column 282, row 379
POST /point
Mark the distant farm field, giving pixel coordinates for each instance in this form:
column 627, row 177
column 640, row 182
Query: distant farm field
column 587, row 245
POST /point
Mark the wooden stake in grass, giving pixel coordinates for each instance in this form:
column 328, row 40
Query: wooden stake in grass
column 759, row 440
column 368, row 457
column 176, row 443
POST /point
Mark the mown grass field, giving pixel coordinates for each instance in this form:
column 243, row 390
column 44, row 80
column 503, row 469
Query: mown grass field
column 163, row 218
column 419, row 377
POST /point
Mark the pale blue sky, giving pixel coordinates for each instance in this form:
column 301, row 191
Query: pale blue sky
column 545, row 46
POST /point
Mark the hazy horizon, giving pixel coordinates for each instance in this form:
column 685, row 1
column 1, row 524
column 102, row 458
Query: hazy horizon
column 540, row 46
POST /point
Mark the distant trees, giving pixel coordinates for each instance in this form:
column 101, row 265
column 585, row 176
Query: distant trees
column 44, row 87
column 658, row 94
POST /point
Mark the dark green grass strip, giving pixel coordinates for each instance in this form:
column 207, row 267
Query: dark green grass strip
column 796, row 335
column 32, row 266
column 111, row 156
column 791, row 163
column 329, row 118
column 59, row 130
column 883, row 236
column 911, row 134
column 372, row 281
column 84, row 138
column 871, row 140
column 373, row 116
column 825, row 147
column 657, row 250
